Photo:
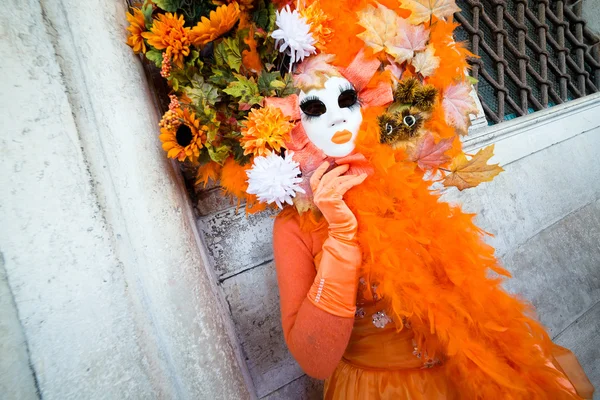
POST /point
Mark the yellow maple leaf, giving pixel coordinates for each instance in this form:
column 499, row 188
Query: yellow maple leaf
column 381, row 26
column 466, row 173
column 426, row 62
column 422, row 10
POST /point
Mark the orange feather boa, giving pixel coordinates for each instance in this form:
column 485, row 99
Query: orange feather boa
column 433, row 270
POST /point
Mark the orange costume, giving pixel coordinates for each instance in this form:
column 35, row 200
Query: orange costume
column 386, row 291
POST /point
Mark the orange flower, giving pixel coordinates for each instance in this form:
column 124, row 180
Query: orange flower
column 137, row 26
column 319, row 25
column 245, row 5
column 169, row 34
column 182, row 135
column 221, row 21
column 265, row 130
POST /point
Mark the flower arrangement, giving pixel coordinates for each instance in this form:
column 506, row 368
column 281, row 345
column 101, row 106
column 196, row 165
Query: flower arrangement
column 234, row 65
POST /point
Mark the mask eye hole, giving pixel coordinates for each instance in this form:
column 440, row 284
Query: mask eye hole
column 347, row 98
column 313, row 107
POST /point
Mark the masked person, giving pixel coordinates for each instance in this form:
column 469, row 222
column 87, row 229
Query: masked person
column 384, row 289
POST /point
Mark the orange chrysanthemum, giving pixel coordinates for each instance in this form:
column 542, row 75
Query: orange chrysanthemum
column 181, row 134
column 320, row 28
column 136, row 28
column 169, row 34
column 245, row 5
column 265, row 130
column 220, row 22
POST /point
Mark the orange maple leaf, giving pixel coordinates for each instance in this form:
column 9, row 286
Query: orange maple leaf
column 428, row 154
column 466, row 173
column 251, row 58
column 423, row 10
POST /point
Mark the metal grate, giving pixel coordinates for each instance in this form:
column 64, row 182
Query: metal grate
column 533, row 54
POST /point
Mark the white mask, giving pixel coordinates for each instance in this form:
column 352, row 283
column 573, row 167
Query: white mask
column 327, row 112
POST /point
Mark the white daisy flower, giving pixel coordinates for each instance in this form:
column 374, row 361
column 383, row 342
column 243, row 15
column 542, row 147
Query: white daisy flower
column 274, row 179
column 294, row 35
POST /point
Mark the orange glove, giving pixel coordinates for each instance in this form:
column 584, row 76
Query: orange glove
column 335, row 286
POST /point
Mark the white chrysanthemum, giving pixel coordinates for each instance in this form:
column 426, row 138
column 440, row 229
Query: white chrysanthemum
column 274, row 179
column 294, row 34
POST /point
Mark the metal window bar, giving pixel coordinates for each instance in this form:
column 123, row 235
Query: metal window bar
column 532, row 54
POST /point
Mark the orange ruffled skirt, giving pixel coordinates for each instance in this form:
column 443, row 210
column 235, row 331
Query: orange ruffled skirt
column 381, row 363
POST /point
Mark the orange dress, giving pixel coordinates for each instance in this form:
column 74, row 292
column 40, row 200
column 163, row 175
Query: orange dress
column 364, row 358
column 381, row 363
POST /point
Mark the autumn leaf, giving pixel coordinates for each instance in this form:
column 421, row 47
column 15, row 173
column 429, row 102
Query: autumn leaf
column 426, row 62
column 423, row 10
column 458, row 104
column 408, row 39
column 387, row 32
column 314, row 71
column 245, row 90
column 428, row 154
column 466, row 173
column 251, row 58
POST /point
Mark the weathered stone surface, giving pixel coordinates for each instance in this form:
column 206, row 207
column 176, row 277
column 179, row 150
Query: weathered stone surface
column 582, row 338
column 113, row 292
column 536, row 191
column 16, row 376
column 558, row 269
column 211, row 201
column 303, row 388
column 237, row 242
column 253, row 298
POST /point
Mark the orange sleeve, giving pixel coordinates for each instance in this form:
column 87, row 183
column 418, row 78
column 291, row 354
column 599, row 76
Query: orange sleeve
column 316, row 339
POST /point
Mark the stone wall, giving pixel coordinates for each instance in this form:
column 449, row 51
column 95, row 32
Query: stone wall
column 544, row 211
column 105, row 289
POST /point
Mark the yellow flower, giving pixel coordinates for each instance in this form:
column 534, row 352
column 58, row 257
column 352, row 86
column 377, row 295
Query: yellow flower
column 319, row 25
column 245, row 5
column 265, row 130
column 169, row 34
column 221, row 21
column 136, row 27
column 181, row 134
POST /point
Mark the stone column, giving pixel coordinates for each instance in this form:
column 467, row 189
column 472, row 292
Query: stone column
column 105, row 287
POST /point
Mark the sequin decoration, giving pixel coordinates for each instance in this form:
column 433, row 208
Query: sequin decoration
column 427, row 362
column 381, row 319
column 374, row 292
column 360, row 313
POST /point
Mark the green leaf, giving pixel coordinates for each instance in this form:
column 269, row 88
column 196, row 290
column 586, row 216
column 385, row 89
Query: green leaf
column 272, row 17
column 168, row 5
column 245, row 90
column 202, row 93
column 238, row 154
column 155, row 56
column 191, row 59
column 471, row 80
column 227, row 52
column 220, row 54
column 175, row 84
column 147, row 11
column 218, row 154
column 267, row 82
column 233, row 55
column 221, row 77
column 288, row 86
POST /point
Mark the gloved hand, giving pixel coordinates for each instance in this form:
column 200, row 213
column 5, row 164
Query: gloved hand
column 334, row 287
column 328, row 192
